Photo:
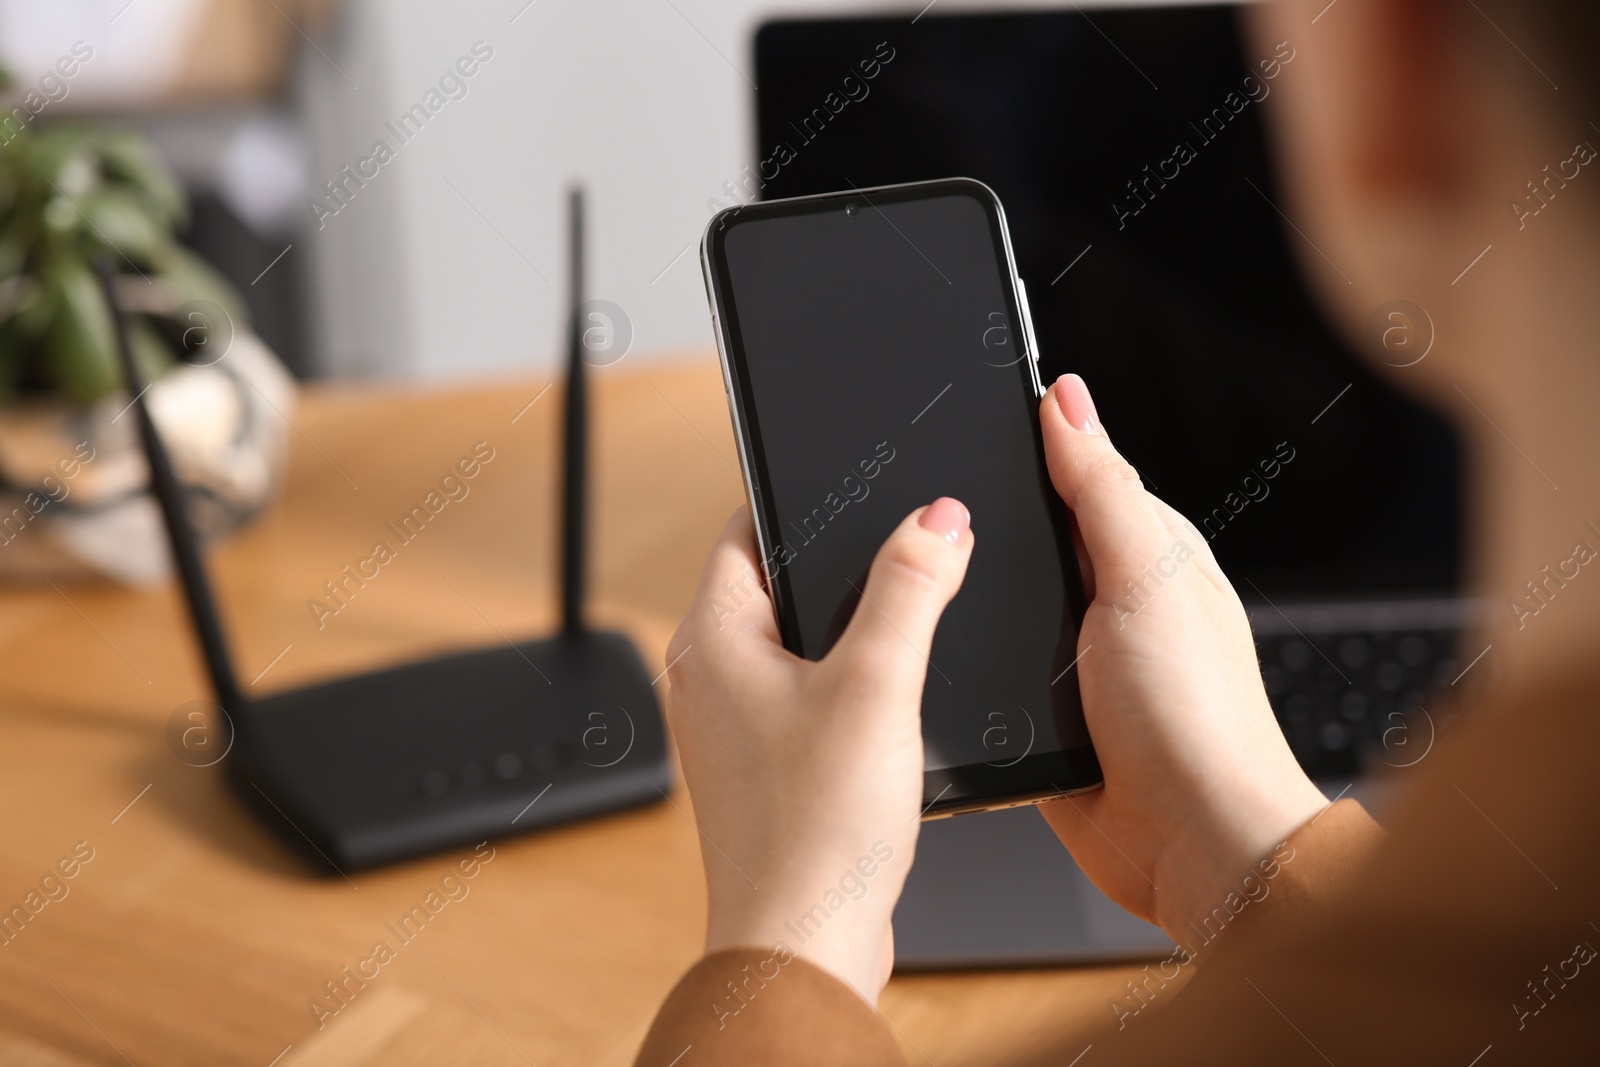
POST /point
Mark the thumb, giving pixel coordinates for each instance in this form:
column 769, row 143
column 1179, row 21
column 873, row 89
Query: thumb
column 914, row 576
column 1121, row 524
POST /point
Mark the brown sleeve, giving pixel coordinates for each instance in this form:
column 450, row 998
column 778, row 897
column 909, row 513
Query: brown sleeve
column 755, row 1006
column 743, row 1006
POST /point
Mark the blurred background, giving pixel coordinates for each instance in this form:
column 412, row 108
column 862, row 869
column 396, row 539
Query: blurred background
column 356, row 191
column 447, row 264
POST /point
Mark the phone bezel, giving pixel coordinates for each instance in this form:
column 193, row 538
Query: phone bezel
column 949, row 791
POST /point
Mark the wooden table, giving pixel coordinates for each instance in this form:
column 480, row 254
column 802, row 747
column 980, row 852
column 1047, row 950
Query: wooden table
column 192, row 937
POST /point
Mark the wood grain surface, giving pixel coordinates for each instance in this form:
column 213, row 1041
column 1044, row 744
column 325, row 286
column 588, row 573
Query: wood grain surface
column 193, row 937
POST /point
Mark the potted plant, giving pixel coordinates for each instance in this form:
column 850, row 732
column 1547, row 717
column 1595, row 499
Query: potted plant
column 71, row 473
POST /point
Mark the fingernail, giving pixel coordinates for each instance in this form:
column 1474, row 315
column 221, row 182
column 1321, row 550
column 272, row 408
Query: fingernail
column 948, row 518
column 1076, row 403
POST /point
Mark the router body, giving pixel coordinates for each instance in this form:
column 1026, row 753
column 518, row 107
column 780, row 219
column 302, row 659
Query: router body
column 452, row 751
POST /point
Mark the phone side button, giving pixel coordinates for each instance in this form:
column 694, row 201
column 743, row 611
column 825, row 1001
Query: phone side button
column 1027, row 318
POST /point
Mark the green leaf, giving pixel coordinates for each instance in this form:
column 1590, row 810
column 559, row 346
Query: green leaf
column 128, row 157
column 61, row 217
column 150, row 353
column 81, row 340
column 62, row 160
column 121, row 224
column 194, row 279
column 32, row 314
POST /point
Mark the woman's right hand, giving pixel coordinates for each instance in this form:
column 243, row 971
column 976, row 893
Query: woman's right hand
column 1199, row 781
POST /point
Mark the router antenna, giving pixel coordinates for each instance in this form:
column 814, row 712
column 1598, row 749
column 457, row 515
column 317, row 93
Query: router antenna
column 575, row 432
column 180, row 534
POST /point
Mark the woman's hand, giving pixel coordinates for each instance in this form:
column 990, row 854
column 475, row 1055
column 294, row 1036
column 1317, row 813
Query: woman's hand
column 1199, row 782
column 807, row 777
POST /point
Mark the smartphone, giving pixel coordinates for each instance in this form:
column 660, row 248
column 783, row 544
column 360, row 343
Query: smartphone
column 878, row 354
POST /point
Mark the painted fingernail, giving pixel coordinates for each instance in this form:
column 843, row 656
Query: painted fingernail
column 948, row 518
column 1076, row 403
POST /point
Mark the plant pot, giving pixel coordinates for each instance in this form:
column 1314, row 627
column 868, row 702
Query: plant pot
column 73, row 500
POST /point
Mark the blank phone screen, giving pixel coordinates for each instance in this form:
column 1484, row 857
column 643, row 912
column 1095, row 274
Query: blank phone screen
column 878, row 354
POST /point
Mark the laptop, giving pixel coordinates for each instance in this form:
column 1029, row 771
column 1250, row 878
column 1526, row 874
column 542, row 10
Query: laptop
column 1171, row 278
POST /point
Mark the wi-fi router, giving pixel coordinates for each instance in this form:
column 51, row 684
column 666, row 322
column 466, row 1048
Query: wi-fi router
column 449, row 751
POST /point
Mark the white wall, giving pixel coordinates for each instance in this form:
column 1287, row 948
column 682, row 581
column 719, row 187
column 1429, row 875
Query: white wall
column 638, row 98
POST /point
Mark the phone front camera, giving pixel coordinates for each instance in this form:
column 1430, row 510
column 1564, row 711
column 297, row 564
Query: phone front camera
column 850, row 209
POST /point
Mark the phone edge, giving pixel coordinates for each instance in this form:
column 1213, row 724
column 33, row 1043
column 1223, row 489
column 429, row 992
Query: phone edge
column 937, row 808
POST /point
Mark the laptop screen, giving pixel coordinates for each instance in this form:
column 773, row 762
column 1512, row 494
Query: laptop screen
column 1128, row 149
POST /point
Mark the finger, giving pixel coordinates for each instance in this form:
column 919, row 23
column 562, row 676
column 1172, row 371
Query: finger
column 1185, row 532
column 1121, row 528
column 914, row 576
column 1178, row 524
column 1085, row 564
column 731, row 598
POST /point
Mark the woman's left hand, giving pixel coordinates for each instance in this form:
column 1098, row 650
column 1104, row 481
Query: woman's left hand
column 807, row 777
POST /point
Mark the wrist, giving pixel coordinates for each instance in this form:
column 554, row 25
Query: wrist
column 832, row 910
column 856, row 949
column 1220, row 866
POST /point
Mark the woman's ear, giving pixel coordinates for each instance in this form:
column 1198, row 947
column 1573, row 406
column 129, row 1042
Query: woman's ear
column 1403, row 87
column 1370, row 105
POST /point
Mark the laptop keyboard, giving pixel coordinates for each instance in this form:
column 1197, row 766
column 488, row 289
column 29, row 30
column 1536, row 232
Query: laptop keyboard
column 1349, row 700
